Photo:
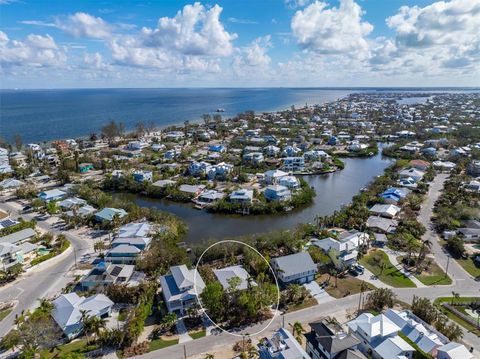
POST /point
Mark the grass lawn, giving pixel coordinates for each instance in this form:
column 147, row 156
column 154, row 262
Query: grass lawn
column 198, row 334
column 77, row 346
column 435, row 276
column 390, row 274
column 161, row 343
column 453, row 316
column 345, row 286
column 469, row 266
column 309, row 302
column 4, row 313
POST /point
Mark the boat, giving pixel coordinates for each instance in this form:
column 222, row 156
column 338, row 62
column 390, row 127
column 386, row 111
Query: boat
column 220, row 110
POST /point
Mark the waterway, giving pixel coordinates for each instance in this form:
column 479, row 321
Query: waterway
column 333, row 191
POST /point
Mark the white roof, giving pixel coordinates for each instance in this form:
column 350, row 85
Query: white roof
column 456, row 351
column 379, row 325
column 393, row 347
column 387, row 209
column 140, row 229
column 68, row 307
column 225, row 274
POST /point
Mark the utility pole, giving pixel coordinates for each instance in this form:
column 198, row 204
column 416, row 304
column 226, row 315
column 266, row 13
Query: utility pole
column 184, row 351
column 448, row 262
column 75, row 256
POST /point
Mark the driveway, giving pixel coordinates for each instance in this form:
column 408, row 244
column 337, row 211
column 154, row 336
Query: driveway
column 318, row 293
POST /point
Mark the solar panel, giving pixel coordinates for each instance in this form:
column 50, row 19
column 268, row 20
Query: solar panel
column 116, row 271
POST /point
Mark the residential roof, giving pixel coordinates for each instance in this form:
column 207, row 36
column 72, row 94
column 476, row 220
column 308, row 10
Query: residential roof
column 385, row 224
column 108, row 213
column 124, row 249
column 172, row 291
column 139, row 229
column 332, row 341
column 68, row 307
column 19, row 236
column 52, row 193
column 389, row 210
column 225, row 274
column 295, row 263
column 8, row 248
column 393, row 347
column 456, row 351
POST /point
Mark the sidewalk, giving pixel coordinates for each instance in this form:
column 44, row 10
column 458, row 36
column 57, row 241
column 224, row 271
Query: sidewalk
column 392, row 257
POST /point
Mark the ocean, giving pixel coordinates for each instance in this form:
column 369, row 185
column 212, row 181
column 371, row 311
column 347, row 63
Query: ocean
column 43, row 115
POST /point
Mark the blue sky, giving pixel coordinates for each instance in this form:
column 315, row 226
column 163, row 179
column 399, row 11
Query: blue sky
column 48, row 44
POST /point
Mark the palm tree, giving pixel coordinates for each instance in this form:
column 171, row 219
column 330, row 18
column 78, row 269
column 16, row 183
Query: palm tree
column 85, row 320
column 209, row 356
column 96, row 325
column 426, row 245
column 455, row 296
column 46, row 306
column 297, row 331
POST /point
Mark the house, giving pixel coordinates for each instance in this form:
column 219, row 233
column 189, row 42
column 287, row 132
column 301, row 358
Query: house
column 345, row 247
column 85, row 167
column 385, row 210
column 220, row 171
column 413, row 173
column 142, row 176
column 107, row 214
column 328, row 341
column 381, row 224
column 473, row 186
column 470, row 230
column 407, row 182
column 52, row 195
column 178, row 288
column 72, row 202
column 19, row 237
column 123, row 253
column 198, row 168
column 282, row 345
column 393, row 194
column 294, row 268
column 241, row 196
column 419, row 164
column 254, row 157
column 105, row 274
column 225, row 275
column 473, row 168
column 271, row 151
column 273, row 176
column 164, row 183
column 10, row 254
column 293, row 164
column 445, row 166
column 137, row 145
column 290, row 182
column 68, row 308
column 217, row 148
column 427, row 338
column 192, row 190
column 453, row 351
column 210, row 196
column 83, row 211
column 277, row 193
column 10, row 183
column 379, row 337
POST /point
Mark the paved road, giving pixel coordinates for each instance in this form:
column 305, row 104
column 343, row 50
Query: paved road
column 463, row 284
column 44, row 282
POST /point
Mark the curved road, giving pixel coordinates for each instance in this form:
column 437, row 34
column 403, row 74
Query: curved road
column 45, row 281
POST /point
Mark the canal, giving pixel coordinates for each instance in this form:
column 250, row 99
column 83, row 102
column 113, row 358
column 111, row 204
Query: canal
column 333, row 190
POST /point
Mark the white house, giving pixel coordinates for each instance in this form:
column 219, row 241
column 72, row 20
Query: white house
column 67, row 311
column 178, row 288
column 293, row 164
column 241, row 196
column 379, row 337
column 225, row 275
column 385, row 210
column 274, row 176
column 453, row 351
column 277, row 193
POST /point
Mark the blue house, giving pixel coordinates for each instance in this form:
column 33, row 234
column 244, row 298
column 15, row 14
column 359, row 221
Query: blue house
column 217, row 148
column 143, row 176
column 332, row 141
column 394, row 194
column 107, row 214
column 52, row 195
column 122, row 254
column 85, row 167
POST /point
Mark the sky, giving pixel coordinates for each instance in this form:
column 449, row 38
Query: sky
column 239, row 43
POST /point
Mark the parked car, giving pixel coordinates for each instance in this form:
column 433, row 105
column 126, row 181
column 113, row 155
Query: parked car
column 356, row 269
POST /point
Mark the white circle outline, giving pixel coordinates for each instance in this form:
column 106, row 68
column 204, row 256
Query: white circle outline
column 200, row 302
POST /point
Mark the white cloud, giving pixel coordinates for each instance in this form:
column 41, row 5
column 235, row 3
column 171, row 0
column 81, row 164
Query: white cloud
column 35, row 51
column 235, row 20
column 253, row 57
column 82, row 24
column 332, row 30
column 195, row 30
column 293, row 4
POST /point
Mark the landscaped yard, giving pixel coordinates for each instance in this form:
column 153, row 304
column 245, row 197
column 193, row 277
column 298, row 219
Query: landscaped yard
column 433, row 275
column 455, row 317
column 77, row 347
column 345, row 286
column 378, row 263
column 4, row 313
column 162, row 343
column 469, row 266
column 198, row 334
column 309, row 302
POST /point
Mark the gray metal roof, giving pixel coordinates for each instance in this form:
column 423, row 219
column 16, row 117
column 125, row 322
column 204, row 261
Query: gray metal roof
column 19, row 236
column 295, row 263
